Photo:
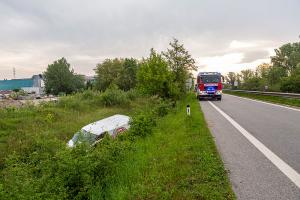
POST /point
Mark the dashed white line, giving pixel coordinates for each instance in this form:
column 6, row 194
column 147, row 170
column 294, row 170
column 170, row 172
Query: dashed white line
column 272, row 104
column 292, row 174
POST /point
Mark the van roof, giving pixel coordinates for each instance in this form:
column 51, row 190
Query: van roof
column 107, row 124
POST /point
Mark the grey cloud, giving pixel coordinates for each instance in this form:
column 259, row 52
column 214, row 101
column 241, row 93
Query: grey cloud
column 96, row 28
column 252, row 56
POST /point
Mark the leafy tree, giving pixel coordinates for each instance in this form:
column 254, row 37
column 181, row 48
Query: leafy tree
column 253, row 83
column 274, row 77
column 89, row 85
column 287, row 56
column 108, row 72
column 78, row 82
column 239, row 78
column 247, row 74
column 231, row 78
column 180, row 62
column 60, row 78
column 127, row 78
column 154, row 76
column 292, row 83
column 263, row 70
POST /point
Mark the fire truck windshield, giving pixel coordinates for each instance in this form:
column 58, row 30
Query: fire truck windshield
column 210, row 79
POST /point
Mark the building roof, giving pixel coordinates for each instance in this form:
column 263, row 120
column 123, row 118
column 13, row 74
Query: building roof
column 15, row 84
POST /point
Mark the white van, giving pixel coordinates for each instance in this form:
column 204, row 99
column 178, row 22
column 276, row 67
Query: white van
column 94, row 132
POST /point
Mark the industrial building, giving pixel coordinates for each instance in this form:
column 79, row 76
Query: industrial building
column 30, row 85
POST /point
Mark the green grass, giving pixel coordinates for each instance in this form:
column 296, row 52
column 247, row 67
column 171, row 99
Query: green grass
column 19, row 127
column 271, row 99
column 179, row 161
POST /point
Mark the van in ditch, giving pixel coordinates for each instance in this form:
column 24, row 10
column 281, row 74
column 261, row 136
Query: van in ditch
column 94, row 132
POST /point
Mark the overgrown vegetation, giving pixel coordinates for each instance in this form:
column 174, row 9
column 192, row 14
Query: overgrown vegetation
column 283, row 74
column 163, row 74
column 118, row 71
column 172, row 157
column 38, row 163
column 155, row 78
column 178, row 161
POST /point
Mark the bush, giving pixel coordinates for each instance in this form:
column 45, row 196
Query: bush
column 132, row 94
column 71, row 102
column 292, row 83
column 141, row 125
column 52, row 171
column 114, row 96
column 88, row 95
column 163, row 108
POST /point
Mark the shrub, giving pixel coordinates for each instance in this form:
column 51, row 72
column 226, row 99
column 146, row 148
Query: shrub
column 88, row 95
column 132, row 94
column 71, row 102
column 114, row 96
column 292, row 83
column 163, row 108
column 141, row 125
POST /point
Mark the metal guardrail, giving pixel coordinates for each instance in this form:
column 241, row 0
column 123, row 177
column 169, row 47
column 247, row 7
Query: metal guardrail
column 281, row 94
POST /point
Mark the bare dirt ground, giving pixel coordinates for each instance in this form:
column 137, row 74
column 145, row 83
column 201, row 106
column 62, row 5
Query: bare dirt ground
column 4, row 103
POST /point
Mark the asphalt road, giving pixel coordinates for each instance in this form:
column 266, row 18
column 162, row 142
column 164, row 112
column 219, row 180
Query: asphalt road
column 253, row 174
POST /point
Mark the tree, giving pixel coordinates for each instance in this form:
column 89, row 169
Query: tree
column 78, row 82
column 239, row 79
column 246, row 74
column 292, row 83
column 154, row 76
column 287, row 57
column 254, row 83
column 108, row 72
column 60, row 78
column 127, row 78
column 231, row 78
column 263, row 70
column 180, row 62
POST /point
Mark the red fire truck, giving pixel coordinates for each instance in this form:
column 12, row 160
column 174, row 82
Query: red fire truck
column 209, row 85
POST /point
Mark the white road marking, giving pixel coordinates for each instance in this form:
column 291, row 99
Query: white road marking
column 292, row 174
column 272, row 104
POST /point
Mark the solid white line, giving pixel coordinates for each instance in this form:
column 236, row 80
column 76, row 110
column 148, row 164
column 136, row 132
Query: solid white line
column 292, row 174
column 272, row 104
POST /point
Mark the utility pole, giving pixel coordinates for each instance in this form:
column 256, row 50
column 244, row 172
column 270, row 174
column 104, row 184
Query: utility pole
column 14, row 73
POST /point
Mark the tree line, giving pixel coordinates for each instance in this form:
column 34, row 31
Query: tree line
column 163, row 74
column 282, row 74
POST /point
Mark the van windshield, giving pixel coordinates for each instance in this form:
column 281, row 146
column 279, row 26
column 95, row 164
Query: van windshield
column 84, row 136
column 210, row 79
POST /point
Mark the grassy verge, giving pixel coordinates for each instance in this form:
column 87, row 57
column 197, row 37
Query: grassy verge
column 20, row 127
column 179, row 161
column 174, row 159
column 271, row 99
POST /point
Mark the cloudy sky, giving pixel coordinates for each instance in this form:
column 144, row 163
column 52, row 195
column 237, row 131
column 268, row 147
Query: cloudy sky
column 222, row 35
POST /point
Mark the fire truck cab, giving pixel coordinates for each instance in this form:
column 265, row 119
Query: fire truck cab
column 209, row 85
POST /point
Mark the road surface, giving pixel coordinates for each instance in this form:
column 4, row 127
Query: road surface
column 259, row 144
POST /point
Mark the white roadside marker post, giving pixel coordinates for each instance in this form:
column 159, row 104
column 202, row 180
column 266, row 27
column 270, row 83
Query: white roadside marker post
column 188, row 110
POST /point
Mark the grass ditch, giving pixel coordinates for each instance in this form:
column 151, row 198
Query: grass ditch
column 165, row 155
column 179, row 161
column 271, row 99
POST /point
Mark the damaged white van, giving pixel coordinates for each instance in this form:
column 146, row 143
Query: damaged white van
column 94, row 132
